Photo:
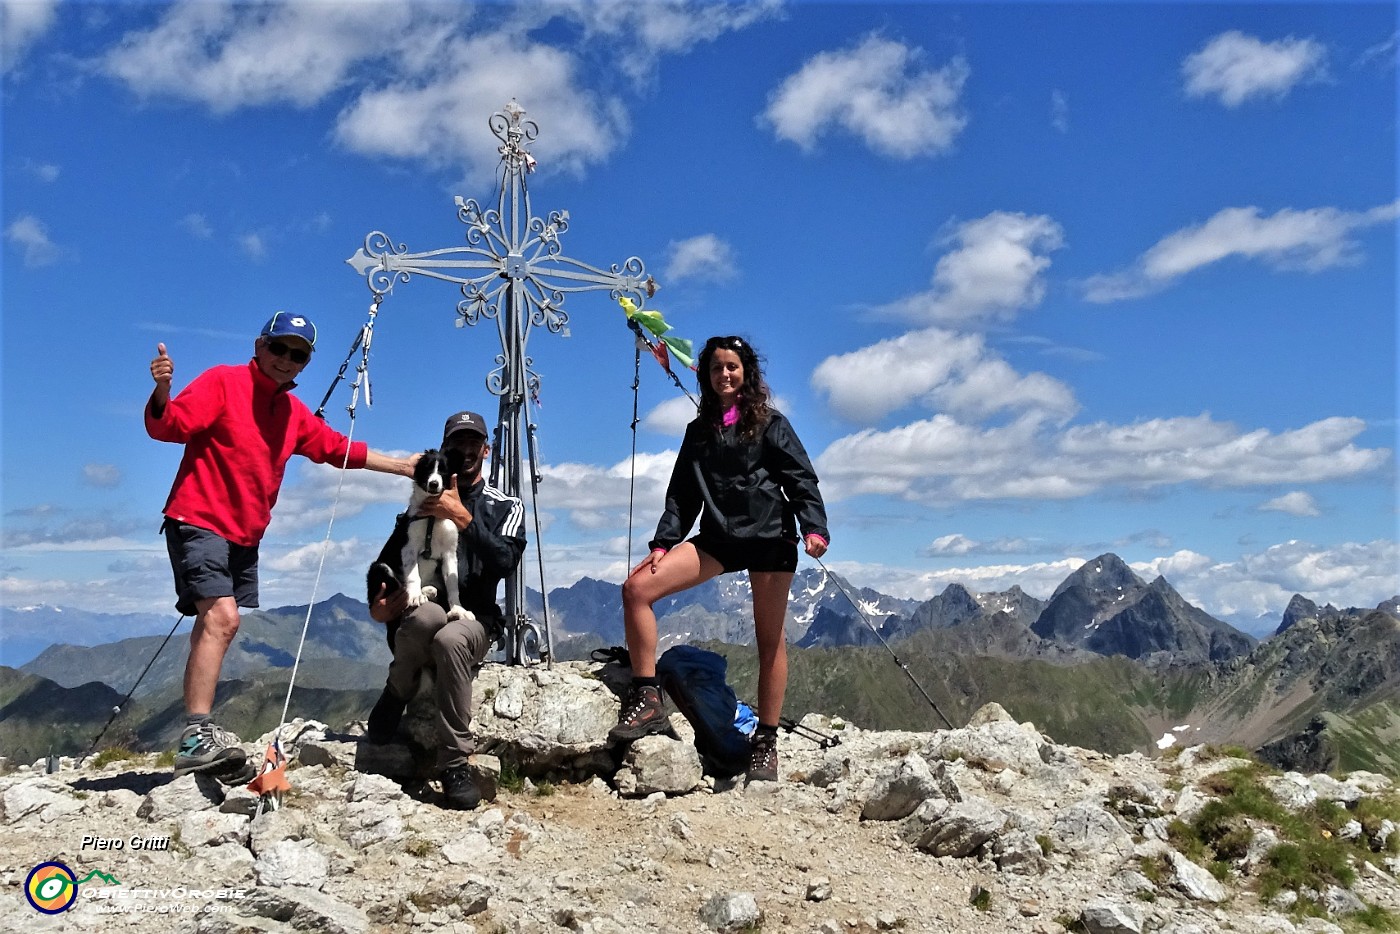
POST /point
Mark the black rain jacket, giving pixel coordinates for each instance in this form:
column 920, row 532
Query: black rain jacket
column 743, row 490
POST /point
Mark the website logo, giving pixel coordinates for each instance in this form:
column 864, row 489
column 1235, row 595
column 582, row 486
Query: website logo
column 51, row 888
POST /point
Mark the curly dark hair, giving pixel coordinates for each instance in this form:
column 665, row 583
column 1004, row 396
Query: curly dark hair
column 753, row 397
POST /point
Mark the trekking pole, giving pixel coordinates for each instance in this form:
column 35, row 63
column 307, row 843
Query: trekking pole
column 116, row 711
column 824, row 740
column 898, row 661
column 636, row 386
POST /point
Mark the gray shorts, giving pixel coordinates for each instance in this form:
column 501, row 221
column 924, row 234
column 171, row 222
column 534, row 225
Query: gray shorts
column 208, row 565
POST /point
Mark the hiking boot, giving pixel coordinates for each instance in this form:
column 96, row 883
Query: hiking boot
column 384, row 719
column 763, row 758
column 641, row 714
column 459, row 788
column 205, row 747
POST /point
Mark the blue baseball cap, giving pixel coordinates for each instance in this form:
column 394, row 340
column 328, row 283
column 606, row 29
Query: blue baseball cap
column 287, row 324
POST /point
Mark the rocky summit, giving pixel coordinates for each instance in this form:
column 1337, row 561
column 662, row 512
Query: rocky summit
column 993, row 827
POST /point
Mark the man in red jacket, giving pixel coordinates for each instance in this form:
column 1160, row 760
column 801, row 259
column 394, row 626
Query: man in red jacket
column 239, row 425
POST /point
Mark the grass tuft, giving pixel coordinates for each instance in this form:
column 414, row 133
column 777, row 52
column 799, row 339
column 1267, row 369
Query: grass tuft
column 117, row 754
column 511, row 778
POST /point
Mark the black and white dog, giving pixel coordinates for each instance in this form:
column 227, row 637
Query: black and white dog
column 431, row 545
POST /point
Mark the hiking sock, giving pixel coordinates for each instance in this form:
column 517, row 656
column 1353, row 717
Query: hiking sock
column 197, row 719
column 650, row 681
column 767, row 729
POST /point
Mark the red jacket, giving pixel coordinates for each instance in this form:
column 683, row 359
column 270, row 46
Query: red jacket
column 239, row 429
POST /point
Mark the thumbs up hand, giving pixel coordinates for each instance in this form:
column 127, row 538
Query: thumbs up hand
column 162, row 371
column 162, row 368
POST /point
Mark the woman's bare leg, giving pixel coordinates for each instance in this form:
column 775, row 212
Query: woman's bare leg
column 770, row 600
column 681, row 568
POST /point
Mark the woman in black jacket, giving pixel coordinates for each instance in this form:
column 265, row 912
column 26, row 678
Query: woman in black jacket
column 744, row 473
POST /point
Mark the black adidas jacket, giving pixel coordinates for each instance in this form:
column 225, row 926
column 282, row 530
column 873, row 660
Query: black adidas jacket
column 744, row 490
column 488, row 549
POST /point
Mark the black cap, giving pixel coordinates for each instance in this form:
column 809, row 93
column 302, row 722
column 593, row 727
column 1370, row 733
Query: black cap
column 464, row 421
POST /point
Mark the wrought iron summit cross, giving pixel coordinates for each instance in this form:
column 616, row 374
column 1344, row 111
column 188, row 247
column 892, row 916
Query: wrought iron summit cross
column 512, row 271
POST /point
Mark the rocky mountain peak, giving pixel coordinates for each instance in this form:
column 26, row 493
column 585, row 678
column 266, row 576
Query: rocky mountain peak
column 1299, row 607
column 866, row 831
column 1104, row 574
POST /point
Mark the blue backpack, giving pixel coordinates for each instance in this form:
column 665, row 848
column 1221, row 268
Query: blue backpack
column 694, row 679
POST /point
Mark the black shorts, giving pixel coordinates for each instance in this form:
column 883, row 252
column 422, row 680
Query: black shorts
column 208, row 565
column 759, row 554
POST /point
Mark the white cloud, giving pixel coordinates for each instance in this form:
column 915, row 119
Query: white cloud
column 253, row 245
column 304, row 559
column 1235, row 67
column 705, row 257
column 440, row 117
column 670, row 417
column 647, row 30
column 995, row 269
column 1311, row 240
column 29, row 234
column 954, row 372
column 1039, row 579
column 228, row 55
column 45, row 172
column 1260, row 584
column 423, row 77
column 1059, row 110
column 597, row 497
column 959, row 544
column 306, row 502
column 1251, row 586
column 875, row 92
column 942, row 460
column 22, row 22
column 1297, row 503
column 102, row 475
column 1382, row 53
column 197, row 225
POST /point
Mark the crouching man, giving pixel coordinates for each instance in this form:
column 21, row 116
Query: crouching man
column 489, row 545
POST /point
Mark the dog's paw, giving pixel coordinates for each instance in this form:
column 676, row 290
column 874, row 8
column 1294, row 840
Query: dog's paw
column 429, row 593
column 417, row 598
column 459, row 612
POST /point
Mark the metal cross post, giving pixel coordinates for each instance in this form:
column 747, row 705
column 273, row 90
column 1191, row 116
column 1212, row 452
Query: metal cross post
column 512, row 271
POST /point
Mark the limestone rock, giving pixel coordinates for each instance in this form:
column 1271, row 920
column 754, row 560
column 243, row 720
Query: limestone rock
column 1292, row 789
column 961, row 829
column 303, row 909
column 192, row 792
column 900, row 788
column 292, row 863
column 1194, row 881
column 660, row 763
column 1109, row 916
column 1087, row 829
column 731, row 911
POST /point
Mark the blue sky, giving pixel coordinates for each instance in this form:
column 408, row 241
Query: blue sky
column 1034, row 281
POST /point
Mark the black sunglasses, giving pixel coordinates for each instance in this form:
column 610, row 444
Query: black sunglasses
column 726, row 343
column 296, row 354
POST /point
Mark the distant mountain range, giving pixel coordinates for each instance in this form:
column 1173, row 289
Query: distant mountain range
column 1109, row 661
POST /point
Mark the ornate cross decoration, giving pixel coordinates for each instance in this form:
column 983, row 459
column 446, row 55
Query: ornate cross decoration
column 512, row 271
